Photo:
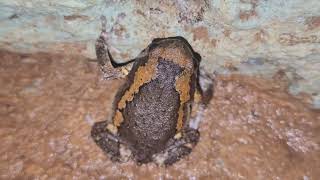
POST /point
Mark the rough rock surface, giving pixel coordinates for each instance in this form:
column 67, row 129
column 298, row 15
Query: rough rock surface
column 252, row 128
column 238, row 36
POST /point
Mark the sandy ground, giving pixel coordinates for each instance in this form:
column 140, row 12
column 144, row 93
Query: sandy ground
column 252, row 128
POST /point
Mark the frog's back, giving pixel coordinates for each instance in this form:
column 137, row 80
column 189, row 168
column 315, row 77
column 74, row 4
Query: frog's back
column 150, row 119
column 150, row 100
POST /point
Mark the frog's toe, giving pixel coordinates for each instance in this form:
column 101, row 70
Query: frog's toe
column 105, row 140
column 171, row 156
column 176, row 154
column 206, row 83
column 178, row 148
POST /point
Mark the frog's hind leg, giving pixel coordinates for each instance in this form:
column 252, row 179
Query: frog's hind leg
column 107, row 141
column 205, row 86
column 202, row 97
column 178, row 147
column 110, row 68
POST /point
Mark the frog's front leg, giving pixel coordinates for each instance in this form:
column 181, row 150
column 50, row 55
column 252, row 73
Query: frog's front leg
column 110, row 68
column 106, row 140
column 178, row 147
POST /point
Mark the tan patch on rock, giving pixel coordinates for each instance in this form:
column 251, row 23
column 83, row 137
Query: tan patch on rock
column 230, row 66
column 119, row 30
column 214, row 42
column 76, row 17
column 246, row 15
column 313, row 22
column 227, row 32
column 260, row 36
column 200, row 33
column 139, row 12
column 124, row 55
column 290, row 39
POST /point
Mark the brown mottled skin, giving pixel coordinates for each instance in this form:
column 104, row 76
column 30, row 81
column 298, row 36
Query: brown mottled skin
column 158, row 93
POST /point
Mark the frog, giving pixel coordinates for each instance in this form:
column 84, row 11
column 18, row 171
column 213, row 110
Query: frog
column 157, row 111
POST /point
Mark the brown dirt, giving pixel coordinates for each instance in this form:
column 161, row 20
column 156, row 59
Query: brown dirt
column 251, row 130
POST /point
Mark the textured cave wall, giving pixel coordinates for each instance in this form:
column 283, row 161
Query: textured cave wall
column 256, row 37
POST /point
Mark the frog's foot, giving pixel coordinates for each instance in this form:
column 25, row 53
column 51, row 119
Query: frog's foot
column 108, row 142
column 202, row 97
column 206, row 86
column 110, row 68
column 178, row 148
